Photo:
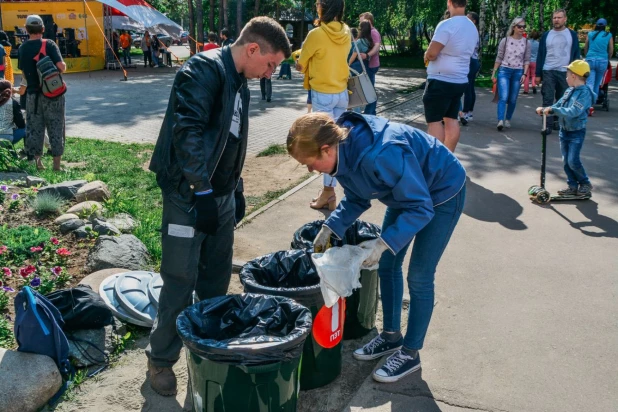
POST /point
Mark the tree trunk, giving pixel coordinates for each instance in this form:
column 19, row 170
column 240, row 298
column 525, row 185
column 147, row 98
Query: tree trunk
column 223, row 14
column 238, row 16
column 221, row 8
column 191, row 27
column 482, row 25
column 541, row 15
column 257, row 8
column 278, row 11
column 199, row 18
column 301, row 34
column 211, row 16
column 504, row 18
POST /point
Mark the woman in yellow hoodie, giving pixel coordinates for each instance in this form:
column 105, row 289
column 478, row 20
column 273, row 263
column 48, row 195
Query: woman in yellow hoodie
column 324, row 60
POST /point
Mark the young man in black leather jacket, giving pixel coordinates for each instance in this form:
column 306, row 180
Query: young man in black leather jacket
column 198, row 160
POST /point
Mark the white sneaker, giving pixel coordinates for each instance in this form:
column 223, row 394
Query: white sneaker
column 507, row 124
column 469, row 116
column 500, row 125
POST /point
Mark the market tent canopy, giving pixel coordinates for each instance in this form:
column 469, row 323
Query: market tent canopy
column 126, row 23
column 146, row 15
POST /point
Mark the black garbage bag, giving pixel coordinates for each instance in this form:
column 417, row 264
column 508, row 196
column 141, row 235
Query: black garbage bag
column 81, row 308
column 358, row 233
column 246, row 329
column 289, row 273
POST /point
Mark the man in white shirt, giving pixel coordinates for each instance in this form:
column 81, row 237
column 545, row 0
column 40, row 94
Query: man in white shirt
column 448, row 55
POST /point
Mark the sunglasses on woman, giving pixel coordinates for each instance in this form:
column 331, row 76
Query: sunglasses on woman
column 521, row 26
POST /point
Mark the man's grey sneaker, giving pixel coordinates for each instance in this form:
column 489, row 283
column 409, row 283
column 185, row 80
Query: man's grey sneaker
column 569, row 191
column 500, row 125
column 397, row 366
column 377, row 348
column 507, row 124
column 585, row 189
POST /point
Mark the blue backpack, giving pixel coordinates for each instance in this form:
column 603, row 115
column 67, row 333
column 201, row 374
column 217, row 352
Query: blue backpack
column 38, row 328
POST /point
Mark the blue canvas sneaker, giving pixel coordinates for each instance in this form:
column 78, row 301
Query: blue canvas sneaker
column 396, row 367
column 377, row 348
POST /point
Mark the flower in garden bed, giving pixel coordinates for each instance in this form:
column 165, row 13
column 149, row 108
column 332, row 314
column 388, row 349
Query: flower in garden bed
column 3, row 249
column 54, row 240
column 15, row 196
column 7, row 272
column 8, row 289
column 27, row 271
column 56, row 270
column 36, row 281
column 4, row 188
column 36, row 249
column 64, row 252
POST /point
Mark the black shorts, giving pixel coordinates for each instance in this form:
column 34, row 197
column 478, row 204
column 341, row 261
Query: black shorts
column 442, row 99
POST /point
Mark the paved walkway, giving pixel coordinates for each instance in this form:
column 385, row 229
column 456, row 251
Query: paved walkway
column 101, row 105
column 525, row 314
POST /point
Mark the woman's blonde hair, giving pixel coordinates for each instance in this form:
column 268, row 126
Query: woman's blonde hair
column 514, row 23
column 312, row 131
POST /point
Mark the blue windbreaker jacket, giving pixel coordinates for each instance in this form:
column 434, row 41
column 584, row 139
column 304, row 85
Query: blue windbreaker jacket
column 401, row 166
column 572, row 108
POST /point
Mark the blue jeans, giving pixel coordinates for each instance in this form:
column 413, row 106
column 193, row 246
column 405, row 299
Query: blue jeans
column 155, row 58
column 429, row 244
column 470, row 93
column 333, row 104
column 508, row 90
column 371, row 108
column 570, row 146
column 597, row 70
column 285, row 71
column 126, row 54
column 17, row 135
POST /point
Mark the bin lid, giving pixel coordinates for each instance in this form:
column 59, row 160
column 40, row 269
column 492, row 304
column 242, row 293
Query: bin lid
column 154, row 289
column 131, row 290
column 106, row 290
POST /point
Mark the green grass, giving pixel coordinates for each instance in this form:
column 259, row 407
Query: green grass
column 272, row 150
column 7, row 340
column 134, row 190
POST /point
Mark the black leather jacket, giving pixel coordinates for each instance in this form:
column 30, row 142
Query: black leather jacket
column 197, row 123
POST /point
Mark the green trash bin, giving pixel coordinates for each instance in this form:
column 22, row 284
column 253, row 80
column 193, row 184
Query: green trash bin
column 292, row 274
column 362, row 306
column 244, row 352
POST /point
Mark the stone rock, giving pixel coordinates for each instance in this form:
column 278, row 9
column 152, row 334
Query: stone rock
column 96, row 190
column 71, row 225
column 85, row 354
column 35, row 181
column 27, row 381
column 66, row 190
column 17, row 177
column 66, row 217
column 106, row 228
column 124, row 222
column 96, row 221
column 86, row 207
column 95, row 279
column 124, row 251
column 82, row 232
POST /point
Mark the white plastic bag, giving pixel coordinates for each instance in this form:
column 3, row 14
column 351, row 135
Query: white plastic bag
column 339, row 271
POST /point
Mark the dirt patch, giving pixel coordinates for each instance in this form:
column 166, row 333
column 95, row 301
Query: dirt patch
column 270, row 173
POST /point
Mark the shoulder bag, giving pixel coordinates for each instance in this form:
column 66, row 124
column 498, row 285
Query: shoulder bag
column 361, row 91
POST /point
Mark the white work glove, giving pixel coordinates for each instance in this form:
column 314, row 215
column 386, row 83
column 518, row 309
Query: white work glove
column 374, row 248
column 322, row 239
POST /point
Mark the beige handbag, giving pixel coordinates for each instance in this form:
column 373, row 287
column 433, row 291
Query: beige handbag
column 361, row 91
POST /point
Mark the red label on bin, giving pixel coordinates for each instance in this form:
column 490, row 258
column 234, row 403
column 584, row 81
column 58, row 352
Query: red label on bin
column 328, row 325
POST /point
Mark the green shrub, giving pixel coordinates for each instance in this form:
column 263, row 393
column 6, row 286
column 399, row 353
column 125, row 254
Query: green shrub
column 4, row 300
column 6, row 333
column 20, row 239
column 46, row 203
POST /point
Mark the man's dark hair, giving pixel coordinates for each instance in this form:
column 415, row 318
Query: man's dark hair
column 226, row 33
column 212, row 37
column 475, row 17
column 332, row 10
column 268, row 34
column 35, row 29
column 367, row 16
column 459, row 3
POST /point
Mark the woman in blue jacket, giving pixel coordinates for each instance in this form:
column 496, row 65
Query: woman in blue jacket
column 598, row 49
column 423, row 186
